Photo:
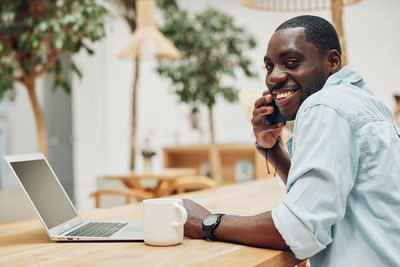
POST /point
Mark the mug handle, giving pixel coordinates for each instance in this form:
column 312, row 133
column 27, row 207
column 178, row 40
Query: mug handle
column 183, row 212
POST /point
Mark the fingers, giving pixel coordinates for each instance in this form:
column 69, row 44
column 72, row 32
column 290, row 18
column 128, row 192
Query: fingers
column 265, row 132
column 266, row 92
column 264, row 100
column 262, row 111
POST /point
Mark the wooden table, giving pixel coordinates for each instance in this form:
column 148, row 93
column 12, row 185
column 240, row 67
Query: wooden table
column 165, row 179
column 26, row 243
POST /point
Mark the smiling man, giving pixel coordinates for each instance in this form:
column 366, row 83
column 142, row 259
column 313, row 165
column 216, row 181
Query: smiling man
column 342, row 172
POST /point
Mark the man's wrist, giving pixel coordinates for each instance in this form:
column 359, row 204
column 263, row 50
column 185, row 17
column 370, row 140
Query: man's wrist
column 265, row 150
column 210, row 223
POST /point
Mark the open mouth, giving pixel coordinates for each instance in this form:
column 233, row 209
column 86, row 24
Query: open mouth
column 284, row 93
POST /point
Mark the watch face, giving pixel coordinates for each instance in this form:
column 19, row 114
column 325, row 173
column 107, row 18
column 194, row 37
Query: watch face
column 210, row 220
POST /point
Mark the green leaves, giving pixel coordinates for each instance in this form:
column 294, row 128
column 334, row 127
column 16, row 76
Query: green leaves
column 33, row 35
column 6, row 81
column 212, row 48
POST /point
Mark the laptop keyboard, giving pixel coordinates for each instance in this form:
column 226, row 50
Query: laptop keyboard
column 97, row 229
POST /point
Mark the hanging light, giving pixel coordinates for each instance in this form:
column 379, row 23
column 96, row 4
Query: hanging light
column 147, row 40
column 336, row 7
column 293, row 5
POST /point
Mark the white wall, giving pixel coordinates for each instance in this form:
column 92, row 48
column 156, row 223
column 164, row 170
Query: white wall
column 19, row 121
column 102, row 99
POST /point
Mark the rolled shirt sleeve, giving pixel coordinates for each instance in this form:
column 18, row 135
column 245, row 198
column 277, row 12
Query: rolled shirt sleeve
column 320, row 179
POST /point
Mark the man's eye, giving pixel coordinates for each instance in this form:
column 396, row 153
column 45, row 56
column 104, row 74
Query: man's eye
column 268, row 67
column 292, row 63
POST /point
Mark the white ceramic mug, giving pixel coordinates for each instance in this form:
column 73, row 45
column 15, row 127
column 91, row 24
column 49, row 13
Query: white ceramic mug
column 163, row 220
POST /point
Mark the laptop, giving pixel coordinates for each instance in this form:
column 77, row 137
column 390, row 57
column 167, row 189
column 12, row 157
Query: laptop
column 56, row 211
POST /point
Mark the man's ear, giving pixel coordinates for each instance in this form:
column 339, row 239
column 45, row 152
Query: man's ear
column 334, row 61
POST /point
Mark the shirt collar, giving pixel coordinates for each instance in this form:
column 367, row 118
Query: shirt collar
column 345, row 75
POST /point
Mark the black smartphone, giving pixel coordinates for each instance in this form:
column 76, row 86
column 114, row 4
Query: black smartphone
column 275, row 117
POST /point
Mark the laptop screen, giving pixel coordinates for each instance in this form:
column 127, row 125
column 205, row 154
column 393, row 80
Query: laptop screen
column 44, row 191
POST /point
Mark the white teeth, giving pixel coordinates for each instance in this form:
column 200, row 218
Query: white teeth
column 285, row 94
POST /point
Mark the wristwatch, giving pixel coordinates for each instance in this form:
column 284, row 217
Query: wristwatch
column 210, row 223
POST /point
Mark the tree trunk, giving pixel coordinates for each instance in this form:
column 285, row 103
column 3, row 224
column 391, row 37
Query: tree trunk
column 337, row 20
column 39, row 118
column 133, row 122
column 214, row 157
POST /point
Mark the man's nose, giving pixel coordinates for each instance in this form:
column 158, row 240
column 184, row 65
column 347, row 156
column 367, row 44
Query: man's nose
column 276, row 77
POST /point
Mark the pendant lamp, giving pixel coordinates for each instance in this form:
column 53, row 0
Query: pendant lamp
column 336, row 7
column 147, row 40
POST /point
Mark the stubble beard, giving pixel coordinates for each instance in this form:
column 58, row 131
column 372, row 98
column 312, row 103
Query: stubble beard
column 316, row 86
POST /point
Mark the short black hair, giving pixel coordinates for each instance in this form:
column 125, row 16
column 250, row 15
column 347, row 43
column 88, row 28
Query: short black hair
column 318, row 31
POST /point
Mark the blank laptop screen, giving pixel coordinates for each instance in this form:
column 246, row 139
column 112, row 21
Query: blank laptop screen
column 44, row 191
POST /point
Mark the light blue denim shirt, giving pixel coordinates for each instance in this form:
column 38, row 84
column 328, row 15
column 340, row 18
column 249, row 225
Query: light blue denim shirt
column 343, row 191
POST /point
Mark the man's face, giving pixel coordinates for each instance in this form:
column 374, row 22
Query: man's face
column 295, row 70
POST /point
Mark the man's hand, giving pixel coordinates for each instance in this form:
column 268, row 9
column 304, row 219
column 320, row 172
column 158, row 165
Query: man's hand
column 258, row 230
column 265, row 133
column 195, row 216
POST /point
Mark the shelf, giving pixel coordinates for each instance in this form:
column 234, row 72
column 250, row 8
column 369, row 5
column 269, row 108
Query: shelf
column 196, row 156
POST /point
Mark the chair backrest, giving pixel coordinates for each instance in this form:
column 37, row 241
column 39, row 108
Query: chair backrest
column 128, row 193
column 194, row 182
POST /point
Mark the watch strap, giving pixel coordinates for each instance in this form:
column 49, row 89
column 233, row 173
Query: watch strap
column 209, row 230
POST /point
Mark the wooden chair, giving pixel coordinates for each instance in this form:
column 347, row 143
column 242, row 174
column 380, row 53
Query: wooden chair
column 188, row 183
column 127, row 193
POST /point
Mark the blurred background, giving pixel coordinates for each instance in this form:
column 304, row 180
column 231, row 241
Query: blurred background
column 88, row 123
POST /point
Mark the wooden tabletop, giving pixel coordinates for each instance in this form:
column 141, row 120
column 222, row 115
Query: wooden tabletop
column 26, row 243
column 166, row 174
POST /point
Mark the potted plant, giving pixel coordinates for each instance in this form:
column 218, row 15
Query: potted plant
column 212, row 48
column 33, row 35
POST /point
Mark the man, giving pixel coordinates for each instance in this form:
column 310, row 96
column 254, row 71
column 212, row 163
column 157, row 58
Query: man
column 343, row 173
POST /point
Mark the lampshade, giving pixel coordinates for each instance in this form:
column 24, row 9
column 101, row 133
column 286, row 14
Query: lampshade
column 336, row 7
column 293, row 5
column 147, row 40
